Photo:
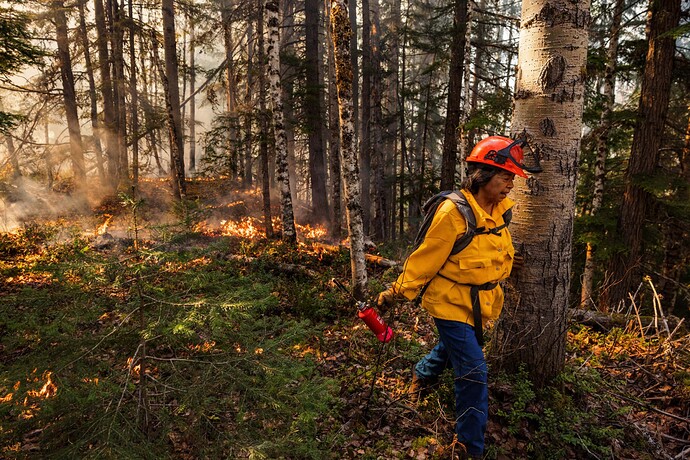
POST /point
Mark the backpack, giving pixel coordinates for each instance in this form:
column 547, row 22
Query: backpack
column 463, row 206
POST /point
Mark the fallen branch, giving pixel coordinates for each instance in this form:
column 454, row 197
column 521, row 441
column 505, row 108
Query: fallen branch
column 606, row 321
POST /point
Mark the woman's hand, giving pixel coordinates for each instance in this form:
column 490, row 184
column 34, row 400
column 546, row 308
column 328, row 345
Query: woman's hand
column 386, row 299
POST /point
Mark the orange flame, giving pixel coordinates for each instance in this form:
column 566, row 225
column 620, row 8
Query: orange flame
column 48, row 390
column 103, row 228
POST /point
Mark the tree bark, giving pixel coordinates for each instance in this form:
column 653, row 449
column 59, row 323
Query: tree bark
column 93, row 99
column 366, row 129
column 230, row 87
column 134, row 100
column 12, row 153
column 192, row 95
column 248, row 109
column 341, row 32
column 263, row 121
column 334, row 141
column 109, row 116
column 380, row 230
column 69, row 95
column 314, row 113
column 171, row 85
column 548, row 105
column 663, row 16
column 586, row 300
column 274, row 86
column 450, row 134
column 118, row 69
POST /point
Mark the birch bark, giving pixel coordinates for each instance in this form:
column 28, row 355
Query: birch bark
column 274, row 89
column 341, row 32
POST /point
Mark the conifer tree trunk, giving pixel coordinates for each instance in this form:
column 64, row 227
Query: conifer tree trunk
column 109, row 117
column 274, row 86
column 230, row 87
column 12, row 153
column 134, row 98
column 586, row 300
column 93, row 99
column 192, row 96
column 457, row 58
column 69, row 95
column 341, row 33
column 548, row 105
column 117, row 47
column 263, row 123
column 366, row 128
column 334, row 139
column 314, row 113
column 172, row 97
column 248, row 112
column 655, row 91
column 380, row 224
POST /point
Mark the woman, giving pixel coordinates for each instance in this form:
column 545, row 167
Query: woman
column 452, row 282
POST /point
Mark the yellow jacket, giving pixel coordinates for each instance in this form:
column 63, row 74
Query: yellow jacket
column 488, row 258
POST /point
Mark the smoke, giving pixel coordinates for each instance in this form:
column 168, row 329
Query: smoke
column 24, row 200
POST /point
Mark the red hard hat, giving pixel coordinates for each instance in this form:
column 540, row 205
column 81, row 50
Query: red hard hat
column 499, row 152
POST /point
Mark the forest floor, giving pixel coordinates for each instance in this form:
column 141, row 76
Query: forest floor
column 134, row 332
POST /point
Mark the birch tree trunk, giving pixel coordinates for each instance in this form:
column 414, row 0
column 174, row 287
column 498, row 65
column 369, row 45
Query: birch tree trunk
column 341, row 33
column 586, row 300
column 548, row 105
column 449, row 162
column 263, row 123
column 172, row 96
column 663, row 17
column 69, row 95
column 274, row 87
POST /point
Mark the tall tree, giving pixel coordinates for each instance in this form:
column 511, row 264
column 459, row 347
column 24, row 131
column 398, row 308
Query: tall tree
column 586, row 300
column 663, row 17
column 548, row 105
column 69, row 94
column 365, row 140
column 114, row 15
column 133, row 97
column 109, row 116
column 263, row 124
column 333, row 139
column 172, row 89
column 93, row 99
column 192, row 93
column 314, row 113
column 230, row 86
column 272, row 49
column 341, row 32
column 457, row 59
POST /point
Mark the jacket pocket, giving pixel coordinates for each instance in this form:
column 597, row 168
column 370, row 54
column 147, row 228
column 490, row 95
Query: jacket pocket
column 475, row 270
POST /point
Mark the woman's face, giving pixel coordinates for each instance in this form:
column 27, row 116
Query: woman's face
column 498, row 187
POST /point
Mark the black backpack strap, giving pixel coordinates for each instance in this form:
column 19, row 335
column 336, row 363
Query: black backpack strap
column 465, row 211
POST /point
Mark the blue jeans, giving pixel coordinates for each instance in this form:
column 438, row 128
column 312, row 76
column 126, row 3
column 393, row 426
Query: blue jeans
column 458, row 348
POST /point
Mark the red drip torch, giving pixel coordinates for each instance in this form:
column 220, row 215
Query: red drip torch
column 369, row 315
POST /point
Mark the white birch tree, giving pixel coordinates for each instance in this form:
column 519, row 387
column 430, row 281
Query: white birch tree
column 341, row 32
column 274, row 88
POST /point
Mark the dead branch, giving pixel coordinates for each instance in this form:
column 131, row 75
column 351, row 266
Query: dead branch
column 604, row 322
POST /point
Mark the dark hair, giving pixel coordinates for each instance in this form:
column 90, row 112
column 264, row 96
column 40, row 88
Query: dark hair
column 478, row 175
